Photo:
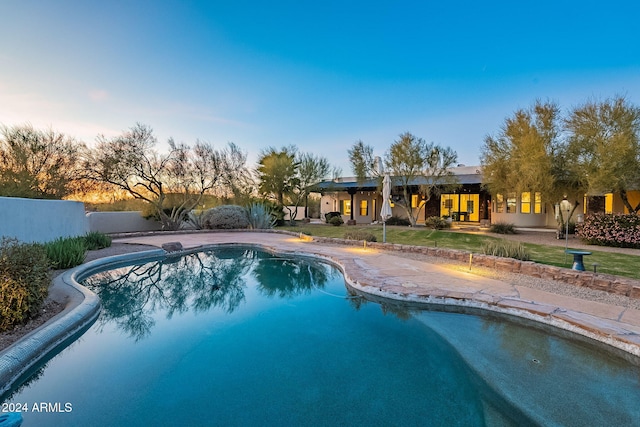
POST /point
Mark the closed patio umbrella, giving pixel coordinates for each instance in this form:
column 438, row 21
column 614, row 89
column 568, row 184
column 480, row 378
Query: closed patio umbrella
column 385, row 212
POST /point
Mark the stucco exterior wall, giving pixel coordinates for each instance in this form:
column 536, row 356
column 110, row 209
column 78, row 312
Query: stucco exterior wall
column 120, row 222
column 330, row 202
column 520, row 219
column 299, row 212
column 547, row 218
column 35, row 220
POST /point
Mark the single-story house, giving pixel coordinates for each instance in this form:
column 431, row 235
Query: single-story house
column 470, row 202
column 361, row 201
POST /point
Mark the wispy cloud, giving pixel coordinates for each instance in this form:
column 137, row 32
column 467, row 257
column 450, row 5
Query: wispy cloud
column 98, row 95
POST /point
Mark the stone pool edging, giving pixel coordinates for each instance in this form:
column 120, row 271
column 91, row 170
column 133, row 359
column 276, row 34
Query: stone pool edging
column 81, row 311
column 599, row 281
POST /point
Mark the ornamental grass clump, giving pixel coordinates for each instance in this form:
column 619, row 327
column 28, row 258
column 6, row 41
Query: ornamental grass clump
column 96, row 240
column 24, row 281
column 66, row 252
column 503, row 228
column 360, row 235
column 619, row 230
column 507, row 249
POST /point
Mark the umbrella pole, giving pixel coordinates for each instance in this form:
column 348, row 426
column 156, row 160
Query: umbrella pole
column 384, row 231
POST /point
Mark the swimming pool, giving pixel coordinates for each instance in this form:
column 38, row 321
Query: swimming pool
column 237, row 336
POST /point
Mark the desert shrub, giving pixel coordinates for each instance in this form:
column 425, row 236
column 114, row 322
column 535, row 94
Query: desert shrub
column 437, row 223
column 96, row 240
column 225, row 217
column 503, row 228
column 150, row 212
column 259, row 216
column 336, row 221
column 66, row 252
column 506, row 248
column 620, row 230
column 395, row 220
column 195, row 219
column 360, row 235
column 329, row 215
column 24, row 281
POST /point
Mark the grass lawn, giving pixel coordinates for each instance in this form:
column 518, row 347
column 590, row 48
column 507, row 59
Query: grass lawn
column 610, row 263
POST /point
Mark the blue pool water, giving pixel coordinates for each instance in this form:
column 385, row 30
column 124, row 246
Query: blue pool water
column 240, row 337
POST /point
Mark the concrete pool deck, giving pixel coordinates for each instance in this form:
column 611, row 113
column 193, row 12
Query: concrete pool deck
column 392, row 275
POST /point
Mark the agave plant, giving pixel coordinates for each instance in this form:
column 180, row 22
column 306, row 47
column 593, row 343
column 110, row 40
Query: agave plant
column 260, row 216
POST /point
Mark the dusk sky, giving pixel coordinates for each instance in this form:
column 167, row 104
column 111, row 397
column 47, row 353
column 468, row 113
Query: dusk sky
column 319, row 75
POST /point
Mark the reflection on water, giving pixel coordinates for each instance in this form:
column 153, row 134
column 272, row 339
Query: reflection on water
column 197, row 282
column 247, row 338
column 287, row 278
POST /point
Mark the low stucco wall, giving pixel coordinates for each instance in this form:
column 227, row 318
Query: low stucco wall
column 35, row 220
column 120, row 222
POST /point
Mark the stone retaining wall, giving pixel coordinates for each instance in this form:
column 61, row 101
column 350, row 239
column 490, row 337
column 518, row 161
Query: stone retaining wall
column 603, row 282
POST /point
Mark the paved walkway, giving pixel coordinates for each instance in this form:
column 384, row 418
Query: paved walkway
column 389, row 275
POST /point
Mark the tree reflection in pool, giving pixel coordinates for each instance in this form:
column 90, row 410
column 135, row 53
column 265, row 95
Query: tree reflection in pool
column 237, row 336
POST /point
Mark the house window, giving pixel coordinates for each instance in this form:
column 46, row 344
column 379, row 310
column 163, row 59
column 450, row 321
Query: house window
column 469, row 206
column 525, row 203
column 537, row 202
column 364, row 208
column 448, row 203
column 345, row 207
column 499, row 203
column 511, row 203
column 414, row 200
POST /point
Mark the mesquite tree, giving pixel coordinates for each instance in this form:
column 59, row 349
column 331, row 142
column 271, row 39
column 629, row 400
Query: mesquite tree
column 39, row 164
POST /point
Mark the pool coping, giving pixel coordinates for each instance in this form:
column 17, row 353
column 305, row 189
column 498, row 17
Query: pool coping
column 81, row 310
